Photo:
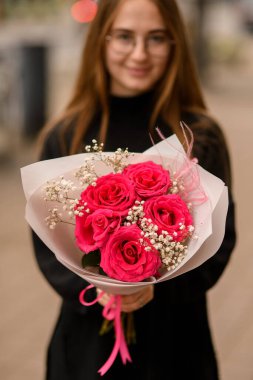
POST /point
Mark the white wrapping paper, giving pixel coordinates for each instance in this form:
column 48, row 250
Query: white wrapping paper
column 209, row 217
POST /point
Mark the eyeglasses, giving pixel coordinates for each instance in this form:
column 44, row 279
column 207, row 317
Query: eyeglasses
column 156, row 43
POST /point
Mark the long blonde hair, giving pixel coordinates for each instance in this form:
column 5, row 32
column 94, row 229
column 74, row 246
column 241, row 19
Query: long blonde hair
column 178, row 91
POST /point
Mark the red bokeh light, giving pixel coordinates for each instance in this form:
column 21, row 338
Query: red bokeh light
column 84, row 10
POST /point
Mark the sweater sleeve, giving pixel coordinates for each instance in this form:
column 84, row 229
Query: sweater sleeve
column 66, row 283
column 211, row 150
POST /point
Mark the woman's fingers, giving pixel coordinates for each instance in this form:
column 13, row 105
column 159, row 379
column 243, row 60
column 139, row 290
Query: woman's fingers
column 137, row 300
column 104, row 298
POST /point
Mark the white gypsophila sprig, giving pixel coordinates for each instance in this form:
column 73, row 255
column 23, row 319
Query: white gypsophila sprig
column 177, row 186
column 173, row 255
column 95, row 147
column 86, row 173
column 54, row 218
column 117, row 161
column 58, row 191
column 135, row 213
column 171, row 252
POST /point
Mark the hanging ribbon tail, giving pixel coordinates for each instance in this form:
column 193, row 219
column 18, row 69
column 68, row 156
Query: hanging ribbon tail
column 124, row 353
column 112, row 311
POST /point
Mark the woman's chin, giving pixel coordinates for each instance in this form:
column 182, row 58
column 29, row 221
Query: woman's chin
column 133, row 89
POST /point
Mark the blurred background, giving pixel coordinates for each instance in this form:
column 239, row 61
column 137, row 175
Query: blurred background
column 40, row 46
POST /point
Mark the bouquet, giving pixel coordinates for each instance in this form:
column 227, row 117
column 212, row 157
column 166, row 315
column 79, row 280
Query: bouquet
column 124, row 220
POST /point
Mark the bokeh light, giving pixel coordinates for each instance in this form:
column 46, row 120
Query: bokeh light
column 84, row 10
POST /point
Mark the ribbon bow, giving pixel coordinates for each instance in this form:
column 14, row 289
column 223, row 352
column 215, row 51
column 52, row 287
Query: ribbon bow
column 111, row 312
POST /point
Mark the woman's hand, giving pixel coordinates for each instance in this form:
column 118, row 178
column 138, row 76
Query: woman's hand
column 133, row 301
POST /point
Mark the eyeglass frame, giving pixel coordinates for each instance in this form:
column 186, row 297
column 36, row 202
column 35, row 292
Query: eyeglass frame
column 110, row 35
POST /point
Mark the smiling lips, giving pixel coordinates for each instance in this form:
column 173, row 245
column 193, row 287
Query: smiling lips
column 138, row 71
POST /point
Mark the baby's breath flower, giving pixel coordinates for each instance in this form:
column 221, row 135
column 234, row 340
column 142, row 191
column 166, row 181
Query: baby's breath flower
column 58, row 190
column 135, row 213
column 86, row 173
column 53, row 219
column 172, row 253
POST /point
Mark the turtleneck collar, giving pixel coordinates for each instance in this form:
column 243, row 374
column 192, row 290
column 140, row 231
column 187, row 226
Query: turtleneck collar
column 132, row 102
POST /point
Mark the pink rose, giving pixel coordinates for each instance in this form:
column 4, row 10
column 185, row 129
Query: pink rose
column 112, row 191
column 93, row 230
column 170, row 213
column 125, row 258
column 150, row 179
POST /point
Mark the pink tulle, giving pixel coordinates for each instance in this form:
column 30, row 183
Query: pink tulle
column 185, row 171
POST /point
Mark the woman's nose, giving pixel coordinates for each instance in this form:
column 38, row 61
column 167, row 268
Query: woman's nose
column 139, row 49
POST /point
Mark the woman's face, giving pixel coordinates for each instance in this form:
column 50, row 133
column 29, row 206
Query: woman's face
column 137, row 48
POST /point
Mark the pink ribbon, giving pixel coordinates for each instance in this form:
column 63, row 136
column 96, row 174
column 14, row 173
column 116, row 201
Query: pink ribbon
column 111, row 311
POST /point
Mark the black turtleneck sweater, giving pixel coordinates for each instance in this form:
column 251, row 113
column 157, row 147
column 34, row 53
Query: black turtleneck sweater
column 176, row 318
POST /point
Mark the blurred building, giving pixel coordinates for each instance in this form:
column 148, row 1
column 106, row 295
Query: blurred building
column 32, row 35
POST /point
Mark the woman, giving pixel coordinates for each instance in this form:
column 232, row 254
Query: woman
column 137, row 73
